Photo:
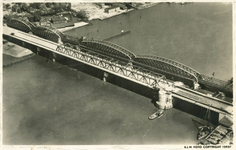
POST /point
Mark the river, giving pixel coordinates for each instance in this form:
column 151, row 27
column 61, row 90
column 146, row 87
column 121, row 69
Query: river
column 47, row 103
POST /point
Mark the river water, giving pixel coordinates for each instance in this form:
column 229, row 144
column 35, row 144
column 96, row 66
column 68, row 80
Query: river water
column 45, row 102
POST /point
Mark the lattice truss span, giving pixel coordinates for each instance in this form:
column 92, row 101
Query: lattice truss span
column 48, row 32
column 168, row 66
column 108, row 48
column 22, row 25
column 147, row 78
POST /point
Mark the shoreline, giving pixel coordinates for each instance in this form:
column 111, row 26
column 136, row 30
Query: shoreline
column 114, row 14
column 14, row 50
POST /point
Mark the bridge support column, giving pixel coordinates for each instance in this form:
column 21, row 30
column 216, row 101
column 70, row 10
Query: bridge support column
column 38, row 50
column 169, row 103
column 105, row 76
column 162, row 99
column 165, row 100
column 54, row 57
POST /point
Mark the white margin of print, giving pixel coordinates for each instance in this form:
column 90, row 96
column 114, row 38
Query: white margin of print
column 108, row 147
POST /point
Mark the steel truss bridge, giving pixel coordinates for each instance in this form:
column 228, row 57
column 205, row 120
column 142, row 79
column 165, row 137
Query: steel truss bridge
column 122, row 63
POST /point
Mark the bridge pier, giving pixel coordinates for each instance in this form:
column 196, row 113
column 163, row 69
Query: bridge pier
column 165, row 99
column 54, row 57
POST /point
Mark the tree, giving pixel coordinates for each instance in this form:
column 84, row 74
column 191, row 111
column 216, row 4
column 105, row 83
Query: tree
column 35, row 17
column 24, row 7
column 82, row 14
column 43, row 7
column 7, row 6
column 14, row 8
column 128, row 5
column 48, row 5
column 35, row 5
column 19, row 10
column 69, row 6
column 57, row 7
column 7, row 17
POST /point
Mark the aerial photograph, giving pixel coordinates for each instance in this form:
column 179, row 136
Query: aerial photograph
column 118, row 73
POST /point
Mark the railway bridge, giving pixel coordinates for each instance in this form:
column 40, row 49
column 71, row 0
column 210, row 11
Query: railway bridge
column 150, row 71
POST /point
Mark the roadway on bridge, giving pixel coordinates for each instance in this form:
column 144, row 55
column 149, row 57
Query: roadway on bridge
column 196, row 97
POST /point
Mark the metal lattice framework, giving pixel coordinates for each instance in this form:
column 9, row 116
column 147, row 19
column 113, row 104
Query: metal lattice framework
column 168, row 66
column 112, row 66
column 108, row 48
column 54, row 30
column 48, row 32
column 51, row 29
column 22, row 25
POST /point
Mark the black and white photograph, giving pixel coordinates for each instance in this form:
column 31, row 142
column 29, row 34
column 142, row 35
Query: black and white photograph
column 118, row 74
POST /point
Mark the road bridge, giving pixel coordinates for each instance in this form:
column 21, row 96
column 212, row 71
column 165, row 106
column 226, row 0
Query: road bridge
column 93, row 53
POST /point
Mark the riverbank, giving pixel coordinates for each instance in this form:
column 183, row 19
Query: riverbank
column 97, row 11
column 15, row 50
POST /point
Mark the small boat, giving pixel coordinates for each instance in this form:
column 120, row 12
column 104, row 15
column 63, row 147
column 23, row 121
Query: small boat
column 157, row 114
column 204, row 131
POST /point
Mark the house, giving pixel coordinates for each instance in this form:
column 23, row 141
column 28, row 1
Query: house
column 112, row 9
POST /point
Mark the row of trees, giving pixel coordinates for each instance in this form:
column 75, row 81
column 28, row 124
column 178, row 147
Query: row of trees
column 41, row 8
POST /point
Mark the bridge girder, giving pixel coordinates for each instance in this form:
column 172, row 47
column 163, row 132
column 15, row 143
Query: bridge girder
column 51, row 29
column 169, row 66
column 109, row 48
column 16, row 23
column 47, row 32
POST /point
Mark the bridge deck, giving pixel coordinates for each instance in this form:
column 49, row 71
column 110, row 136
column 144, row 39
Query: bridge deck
column 183, row 93
column 196, row 97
